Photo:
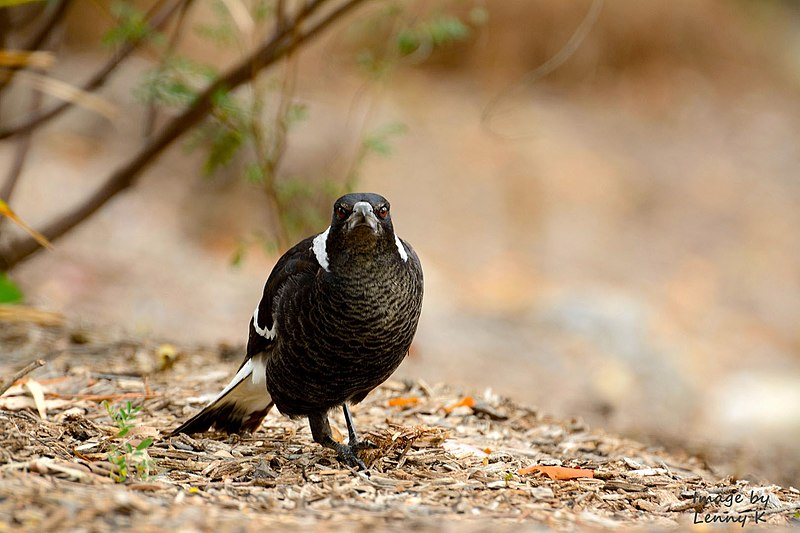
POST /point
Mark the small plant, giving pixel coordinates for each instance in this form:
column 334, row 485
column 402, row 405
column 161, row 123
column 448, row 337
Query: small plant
column 131, row 460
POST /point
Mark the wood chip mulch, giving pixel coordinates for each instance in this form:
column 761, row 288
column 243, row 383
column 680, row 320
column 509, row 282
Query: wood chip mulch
column 440, row 457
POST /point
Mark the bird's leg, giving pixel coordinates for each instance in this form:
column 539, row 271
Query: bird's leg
column 352, row 438
column 321, row 432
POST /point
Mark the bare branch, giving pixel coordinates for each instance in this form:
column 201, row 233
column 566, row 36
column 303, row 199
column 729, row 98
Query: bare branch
column 276, row 48
column 23, row 145
column 158, row 17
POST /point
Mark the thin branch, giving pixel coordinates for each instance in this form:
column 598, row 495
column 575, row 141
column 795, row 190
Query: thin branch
column 152, row 108
column 157, row 18
column 270, row 150
column 20, row 155
column 30, row 367
column 276, row 48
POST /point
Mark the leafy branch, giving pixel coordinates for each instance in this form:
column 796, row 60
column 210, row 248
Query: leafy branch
column 222, row 120
column 304, row 24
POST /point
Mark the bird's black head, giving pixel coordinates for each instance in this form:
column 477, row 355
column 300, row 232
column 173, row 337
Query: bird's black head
column 361, row 232
column 360, row 214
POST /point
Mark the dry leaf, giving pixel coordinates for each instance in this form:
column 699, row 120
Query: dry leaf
column 167, row 355
column 557, row 472
column 460, row 449
column 6, row 211
column 21, row 313
column 69, row 93
column 38, row 396
column 26, row 59
column 403, row 402
column 467, row 401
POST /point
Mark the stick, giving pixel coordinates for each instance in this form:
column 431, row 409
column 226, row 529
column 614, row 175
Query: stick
column 30, row 367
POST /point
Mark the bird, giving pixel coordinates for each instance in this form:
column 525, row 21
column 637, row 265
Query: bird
column 336, row 318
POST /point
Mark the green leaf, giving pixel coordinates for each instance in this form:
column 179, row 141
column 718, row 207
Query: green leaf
column 296, row 113
column 479, row 15
column 378, row 142
column 254, row 173
column 10, row 293
column 407, row 41
column 238, row 255
column 10, row 3
column 131, row 25
column 224, row 146
column 445, row 29
column 144, row 444
column 223, row 35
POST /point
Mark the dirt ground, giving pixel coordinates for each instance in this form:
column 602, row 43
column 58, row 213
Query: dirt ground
column 444, row 459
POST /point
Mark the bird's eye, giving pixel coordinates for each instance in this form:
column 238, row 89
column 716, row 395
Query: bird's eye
column 341, row 212
column 383, row 212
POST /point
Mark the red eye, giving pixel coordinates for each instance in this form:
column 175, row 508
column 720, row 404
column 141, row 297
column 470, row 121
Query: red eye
column 383, row 212
column 341, row 212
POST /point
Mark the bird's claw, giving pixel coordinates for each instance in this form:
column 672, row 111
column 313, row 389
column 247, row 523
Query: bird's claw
column 365, row 444
column 347, row 455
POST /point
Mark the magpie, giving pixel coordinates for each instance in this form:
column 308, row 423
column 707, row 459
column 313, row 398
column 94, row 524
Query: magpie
column 336, row 318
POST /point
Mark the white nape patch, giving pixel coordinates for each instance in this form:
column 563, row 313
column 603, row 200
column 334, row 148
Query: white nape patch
column 401, row 248
column 320, row 249
column 264, row 332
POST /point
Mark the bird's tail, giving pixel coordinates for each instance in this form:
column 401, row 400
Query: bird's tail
column 242, row 404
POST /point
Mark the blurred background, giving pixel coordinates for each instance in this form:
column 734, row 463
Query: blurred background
column 605, row 198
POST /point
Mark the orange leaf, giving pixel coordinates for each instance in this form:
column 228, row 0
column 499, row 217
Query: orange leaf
column 403, row 402
column 467, row 401
column 557, row 472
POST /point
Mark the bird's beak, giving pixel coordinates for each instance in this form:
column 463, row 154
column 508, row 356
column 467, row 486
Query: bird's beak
column 362, row 214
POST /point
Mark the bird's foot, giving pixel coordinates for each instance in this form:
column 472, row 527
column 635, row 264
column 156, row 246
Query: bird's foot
column 365, row 444
column 348, row 455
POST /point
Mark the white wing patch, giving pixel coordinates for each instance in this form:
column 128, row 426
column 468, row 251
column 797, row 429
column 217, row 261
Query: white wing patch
column 259, row 370
column 240, row 376
column 250, row 394
column 320, row 249
column 264, row 332
column 401, row 248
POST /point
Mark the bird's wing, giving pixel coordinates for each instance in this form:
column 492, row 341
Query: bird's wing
column 297, row 261
column 245, row 401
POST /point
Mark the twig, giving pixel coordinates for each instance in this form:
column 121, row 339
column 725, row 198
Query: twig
column 566, row 51
column 125, row 176
column 23, row 144
column 30, row 367
column 19, row 313
column 152, row 108
column 157, row 20
column 20, row 155
column 104, row 397
column 783, row 509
